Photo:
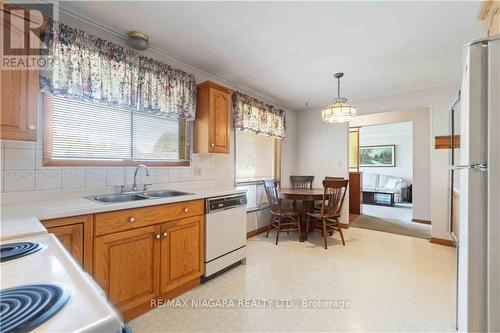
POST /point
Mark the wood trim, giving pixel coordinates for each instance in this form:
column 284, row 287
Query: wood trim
column 441, row 241
column 422, row 221
column 257, row 231
column 444, row 142
column 88, row 235
column 344, row 225
column 52, row 162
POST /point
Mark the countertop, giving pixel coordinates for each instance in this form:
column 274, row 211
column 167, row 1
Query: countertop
column 63, row 207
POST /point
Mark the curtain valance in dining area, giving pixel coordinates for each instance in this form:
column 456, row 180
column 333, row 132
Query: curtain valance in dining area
column 256, row 116
column 89, row 68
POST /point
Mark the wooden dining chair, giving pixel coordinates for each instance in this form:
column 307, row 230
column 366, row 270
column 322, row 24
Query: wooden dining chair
column 317, row 204
column 282, row 220
column 326, row 221
column 305, row 182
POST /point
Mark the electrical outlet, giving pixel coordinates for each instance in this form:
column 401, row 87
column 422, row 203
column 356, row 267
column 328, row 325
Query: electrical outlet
column 196, row 171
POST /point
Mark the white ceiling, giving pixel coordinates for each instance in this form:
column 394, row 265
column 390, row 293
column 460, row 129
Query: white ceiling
column 290, row 50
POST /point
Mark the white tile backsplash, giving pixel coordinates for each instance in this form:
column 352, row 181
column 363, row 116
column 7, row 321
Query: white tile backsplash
column 19, row 180
column 22, row 169
column 174, row 175
column 48, row 179
column 73, row 178
column 21, row 145
column 95, row 177
column 161, row 175
column 115, row 176
column 19, row 159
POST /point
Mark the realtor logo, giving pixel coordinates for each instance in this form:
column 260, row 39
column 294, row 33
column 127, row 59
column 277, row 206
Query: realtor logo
column 21, row 45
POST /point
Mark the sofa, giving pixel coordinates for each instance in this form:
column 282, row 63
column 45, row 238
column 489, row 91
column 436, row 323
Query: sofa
column 373, row 182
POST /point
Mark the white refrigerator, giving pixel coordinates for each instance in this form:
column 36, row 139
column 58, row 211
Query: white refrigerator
column 477, row 171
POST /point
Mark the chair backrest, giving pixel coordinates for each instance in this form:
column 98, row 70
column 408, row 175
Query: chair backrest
column 333, row 197
column 305, row 182
column 271, row 187
column 334, row 178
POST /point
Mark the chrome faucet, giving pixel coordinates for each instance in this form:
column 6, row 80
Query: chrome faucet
column 134, row 186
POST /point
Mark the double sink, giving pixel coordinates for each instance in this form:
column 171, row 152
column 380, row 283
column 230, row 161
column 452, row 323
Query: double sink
column 125, row 197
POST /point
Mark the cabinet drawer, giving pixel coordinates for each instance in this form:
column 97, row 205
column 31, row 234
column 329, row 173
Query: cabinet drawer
column 110, row 222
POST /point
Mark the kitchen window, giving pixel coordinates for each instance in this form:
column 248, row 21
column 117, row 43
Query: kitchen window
column 257, row 158
column 86, row 133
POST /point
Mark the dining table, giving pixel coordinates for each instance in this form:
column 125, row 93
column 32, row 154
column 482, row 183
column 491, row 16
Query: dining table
column 305, row 198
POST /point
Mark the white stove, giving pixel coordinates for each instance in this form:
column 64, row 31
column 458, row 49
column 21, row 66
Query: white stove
column 47, row 274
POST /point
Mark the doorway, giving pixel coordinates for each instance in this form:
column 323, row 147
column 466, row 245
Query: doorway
column 383, row 154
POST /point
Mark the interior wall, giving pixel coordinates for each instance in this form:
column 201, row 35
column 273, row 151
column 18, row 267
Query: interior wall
column 322, row 150
column 400, row 135
column 438, row 100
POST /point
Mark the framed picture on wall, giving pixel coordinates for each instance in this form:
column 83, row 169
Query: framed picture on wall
column 377, row 156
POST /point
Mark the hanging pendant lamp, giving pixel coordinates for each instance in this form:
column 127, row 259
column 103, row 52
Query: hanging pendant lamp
column 339, row 111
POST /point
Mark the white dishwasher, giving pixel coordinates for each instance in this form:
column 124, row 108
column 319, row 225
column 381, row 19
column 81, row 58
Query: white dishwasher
column 225, row 233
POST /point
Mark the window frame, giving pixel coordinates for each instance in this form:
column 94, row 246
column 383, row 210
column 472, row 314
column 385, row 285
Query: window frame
column 276, row 162
column 256, row 183
column 47, row 160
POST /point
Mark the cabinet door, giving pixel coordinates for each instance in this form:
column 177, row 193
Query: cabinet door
column 220, row 106
column 126, row 265
column 182, row 252
column 76, row 233
column 19, row 89
column 71, row 236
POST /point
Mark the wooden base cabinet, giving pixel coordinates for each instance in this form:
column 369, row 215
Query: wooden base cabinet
column 141, row 264
column 182, row 252
column 127, row 266
column 76, row 234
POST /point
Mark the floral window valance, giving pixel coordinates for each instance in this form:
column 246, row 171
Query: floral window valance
column 90, row 68
column 254, row 115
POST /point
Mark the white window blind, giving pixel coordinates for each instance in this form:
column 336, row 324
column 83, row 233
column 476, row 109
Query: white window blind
column 254, row 156
column 80, row 130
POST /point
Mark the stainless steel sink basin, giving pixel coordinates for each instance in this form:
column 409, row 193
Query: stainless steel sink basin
column 164, row 194
column 125, row 197
column 114, row 198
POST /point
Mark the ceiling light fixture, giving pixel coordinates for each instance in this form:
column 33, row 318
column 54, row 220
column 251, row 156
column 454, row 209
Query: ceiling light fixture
column 138, row 40
column 338, row 111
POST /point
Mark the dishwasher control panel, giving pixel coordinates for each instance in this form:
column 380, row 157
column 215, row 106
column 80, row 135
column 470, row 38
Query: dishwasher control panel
column 222, row 203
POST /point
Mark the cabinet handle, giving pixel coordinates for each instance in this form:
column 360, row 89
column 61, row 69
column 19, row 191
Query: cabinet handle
column 131, row 219
column 212, row 144
column 158, row 236
column 165, row 234
column 186, row 210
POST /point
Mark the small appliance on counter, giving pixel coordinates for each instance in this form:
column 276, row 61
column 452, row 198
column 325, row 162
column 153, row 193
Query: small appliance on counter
column 225, row 233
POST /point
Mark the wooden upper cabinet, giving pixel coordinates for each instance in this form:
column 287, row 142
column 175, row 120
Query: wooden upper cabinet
column 19, row 89
column 127, row 265
column 182, row 252
column 213, row 119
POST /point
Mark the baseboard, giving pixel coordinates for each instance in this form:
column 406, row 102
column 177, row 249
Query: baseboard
column 441, row 241
column 344, row 225
column 255, row 232
column 422, row 221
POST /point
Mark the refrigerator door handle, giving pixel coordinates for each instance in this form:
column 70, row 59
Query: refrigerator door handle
column 478, row 166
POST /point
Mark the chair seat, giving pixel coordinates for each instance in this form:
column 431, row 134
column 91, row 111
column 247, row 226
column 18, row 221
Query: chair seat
column 318, row 216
